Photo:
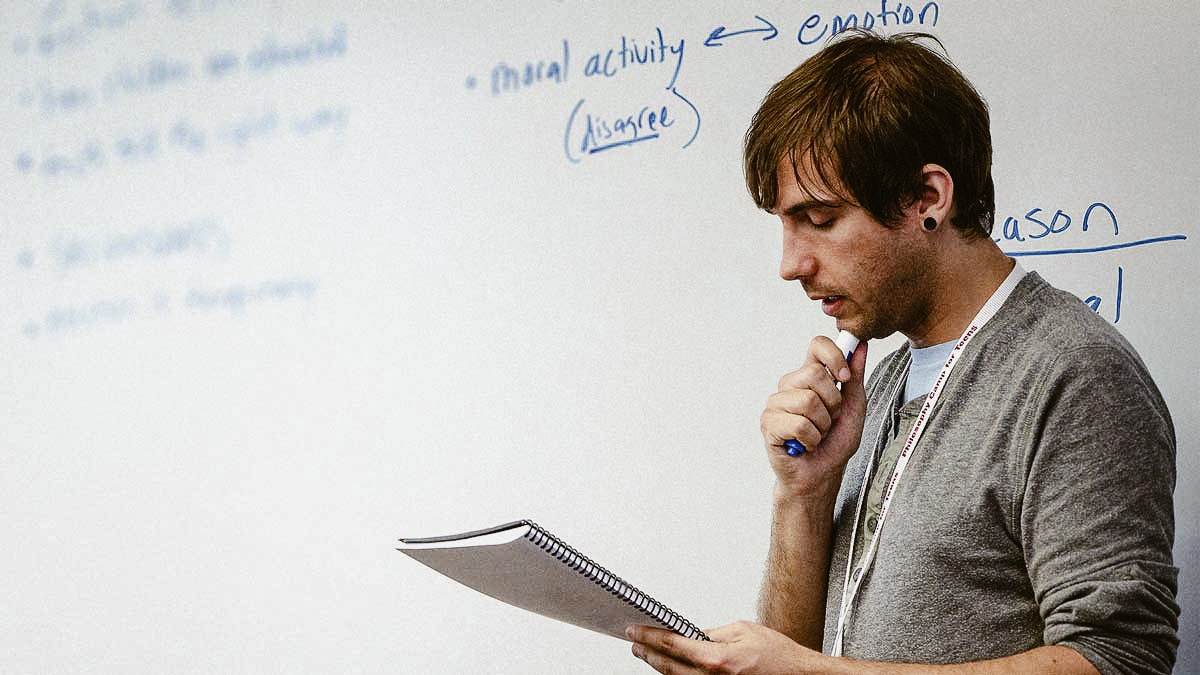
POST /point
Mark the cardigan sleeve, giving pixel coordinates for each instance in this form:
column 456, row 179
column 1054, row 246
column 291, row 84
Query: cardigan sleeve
column 1096, row 516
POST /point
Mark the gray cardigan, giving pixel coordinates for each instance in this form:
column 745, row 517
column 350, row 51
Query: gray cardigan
column 1036, row 510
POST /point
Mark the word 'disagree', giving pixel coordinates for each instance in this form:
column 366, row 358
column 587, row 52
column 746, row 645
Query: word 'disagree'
column 591, row 129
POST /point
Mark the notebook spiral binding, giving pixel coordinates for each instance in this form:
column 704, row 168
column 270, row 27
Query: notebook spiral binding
column 612, row 583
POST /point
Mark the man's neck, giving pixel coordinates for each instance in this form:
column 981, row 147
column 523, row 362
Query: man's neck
column 968, row 275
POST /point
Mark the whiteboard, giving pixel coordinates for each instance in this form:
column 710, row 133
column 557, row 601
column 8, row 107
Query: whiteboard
column 283, row 282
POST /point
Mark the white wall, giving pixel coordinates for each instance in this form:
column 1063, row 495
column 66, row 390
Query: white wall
column 282, row 283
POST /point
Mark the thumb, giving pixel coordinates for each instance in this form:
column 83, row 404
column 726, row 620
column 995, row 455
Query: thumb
column 854, row 395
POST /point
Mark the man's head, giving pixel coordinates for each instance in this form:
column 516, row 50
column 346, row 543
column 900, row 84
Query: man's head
column 862, row 117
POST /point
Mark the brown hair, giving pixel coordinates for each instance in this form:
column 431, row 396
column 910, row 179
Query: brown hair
column 866, row 113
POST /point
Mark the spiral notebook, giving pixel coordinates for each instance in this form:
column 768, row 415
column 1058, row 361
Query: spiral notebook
column 524, row 565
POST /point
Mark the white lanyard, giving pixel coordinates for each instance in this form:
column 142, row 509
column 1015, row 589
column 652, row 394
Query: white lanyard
column 851, row 586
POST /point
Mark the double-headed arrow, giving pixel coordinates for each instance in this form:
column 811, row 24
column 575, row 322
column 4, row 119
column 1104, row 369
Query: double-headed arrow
column 718, row 34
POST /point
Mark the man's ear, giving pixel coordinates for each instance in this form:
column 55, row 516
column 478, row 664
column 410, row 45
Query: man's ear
column 937, row 196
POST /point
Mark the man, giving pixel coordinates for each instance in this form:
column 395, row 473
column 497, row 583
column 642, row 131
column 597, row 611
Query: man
column 998, row 498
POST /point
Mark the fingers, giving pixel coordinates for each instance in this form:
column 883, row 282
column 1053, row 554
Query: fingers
column 824, row 351
column 809, row 400
column 803, row 414
column 666, row 651
column 738, row 647
column 816, row 378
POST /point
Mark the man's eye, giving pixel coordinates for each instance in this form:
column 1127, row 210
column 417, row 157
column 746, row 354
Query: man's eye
column 821, row 217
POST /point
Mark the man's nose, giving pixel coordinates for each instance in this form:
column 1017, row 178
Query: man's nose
column 797, row 261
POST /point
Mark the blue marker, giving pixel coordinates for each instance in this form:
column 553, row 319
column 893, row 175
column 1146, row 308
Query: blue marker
column 847, row 343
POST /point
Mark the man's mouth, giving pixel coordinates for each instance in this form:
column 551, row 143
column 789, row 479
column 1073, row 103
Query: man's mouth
column 831, row 304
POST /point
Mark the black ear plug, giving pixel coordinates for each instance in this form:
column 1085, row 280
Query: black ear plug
column 930, row 224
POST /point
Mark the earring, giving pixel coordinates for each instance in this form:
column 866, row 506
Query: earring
column 929, row 224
